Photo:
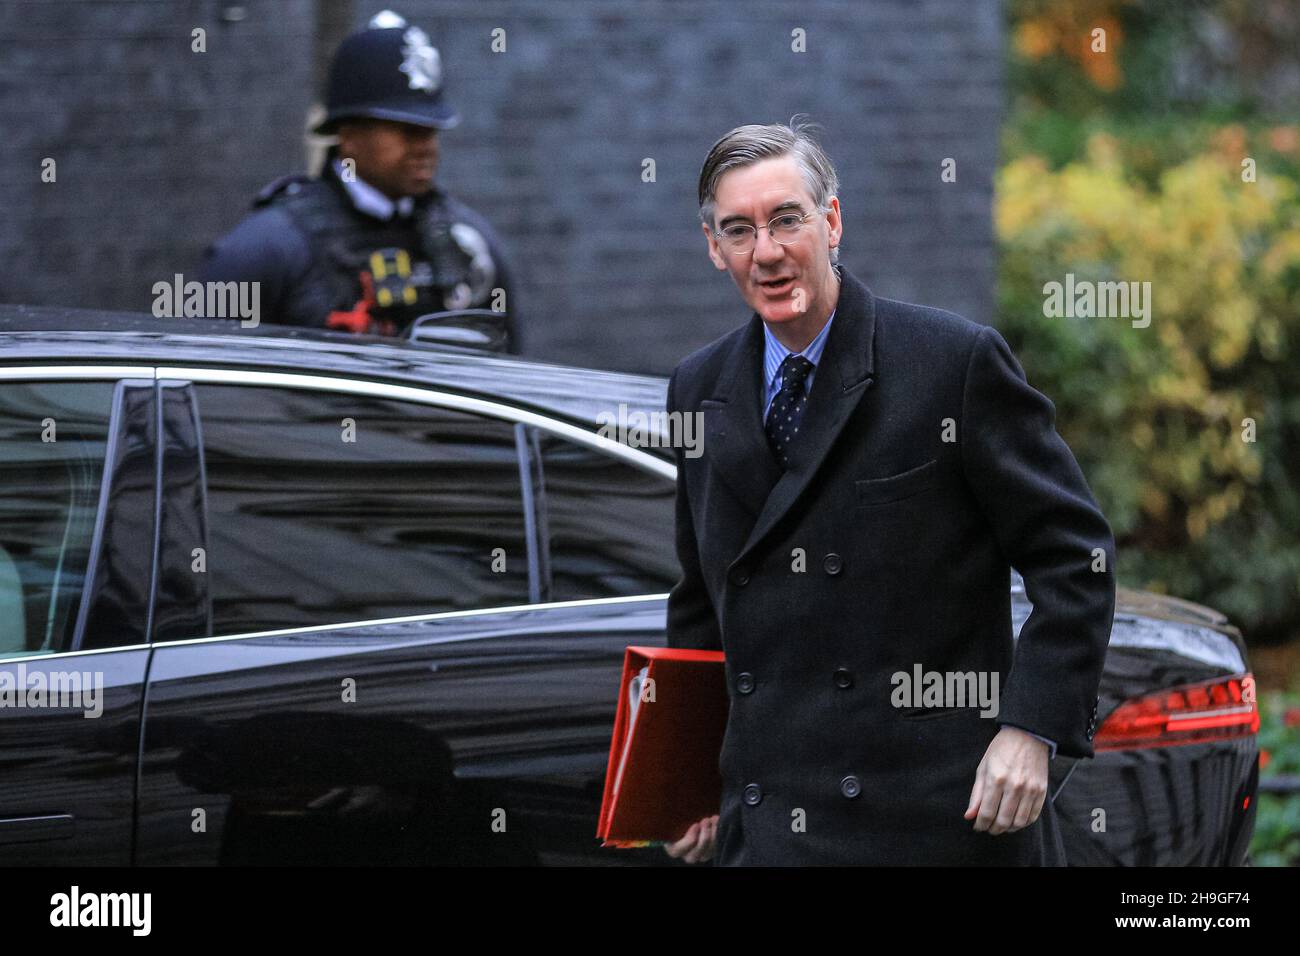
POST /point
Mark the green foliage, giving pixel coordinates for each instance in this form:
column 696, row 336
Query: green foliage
column 1159, row 417
column 1124, row 146
column 1277, row 821
column 1123, row 162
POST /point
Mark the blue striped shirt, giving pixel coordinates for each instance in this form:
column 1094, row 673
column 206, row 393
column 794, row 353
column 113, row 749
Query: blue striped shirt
column 774, row 354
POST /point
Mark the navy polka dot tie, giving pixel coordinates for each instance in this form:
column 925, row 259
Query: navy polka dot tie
column 787, row 407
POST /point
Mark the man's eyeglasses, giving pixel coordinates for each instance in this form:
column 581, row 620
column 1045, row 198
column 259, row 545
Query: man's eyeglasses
column 740, row 238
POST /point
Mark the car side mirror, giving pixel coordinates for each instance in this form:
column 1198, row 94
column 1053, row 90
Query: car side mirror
column 484, row 329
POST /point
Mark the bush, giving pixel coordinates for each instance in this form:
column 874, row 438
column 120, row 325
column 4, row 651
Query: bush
column 1277, row 819
column 1160, row 417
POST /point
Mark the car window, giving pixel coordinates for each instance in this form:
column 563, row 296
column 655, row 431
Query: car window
column 325, row 508
column 53, row 438
column 609, row 524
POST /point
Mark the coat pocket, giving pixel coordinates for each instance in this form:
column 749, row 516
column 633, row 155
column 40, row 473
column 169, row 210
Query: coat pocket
column 876, row 491
column 930, row 713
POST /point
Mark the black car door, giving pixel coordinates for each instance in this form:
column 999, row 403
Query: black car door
column 382, row 680
column 78, row 462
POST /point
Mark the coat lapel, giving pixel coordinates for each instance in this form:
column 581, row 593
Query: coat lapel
column 843, row 377
column 733, row 424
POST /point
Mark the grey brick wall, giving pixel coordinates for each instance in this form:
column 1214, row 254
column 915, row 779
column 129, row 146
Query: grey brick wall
column 160, row 149
column 157, row 147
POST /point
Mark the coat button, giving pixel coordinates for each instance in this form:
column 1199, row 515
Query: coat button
column 850, row 786
column 739, row 577
column 843, row 677
column 832, row 563
column 745, row 682
column 753, row 794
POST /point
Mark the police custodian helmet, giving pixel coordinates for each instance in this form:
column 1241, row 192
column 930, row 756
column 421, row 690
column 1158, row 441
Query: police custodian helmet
column 387, row 71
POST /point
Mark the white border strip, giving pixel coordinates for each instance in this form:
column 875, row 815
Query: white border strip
column 105, row 372
column 326, row 383
column 348, row 625
column 423, row 396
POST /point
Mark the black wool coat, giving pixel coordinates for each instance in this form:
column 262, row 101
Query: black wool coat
column 925, row 469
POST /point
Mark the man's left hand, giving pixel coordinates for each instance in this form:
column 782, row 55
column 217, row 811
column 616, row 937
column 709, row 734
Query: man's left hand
column 1010, row 783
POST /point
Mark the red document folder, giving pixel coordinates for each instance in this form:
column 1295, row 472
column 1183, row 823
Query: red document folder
column 663, row 758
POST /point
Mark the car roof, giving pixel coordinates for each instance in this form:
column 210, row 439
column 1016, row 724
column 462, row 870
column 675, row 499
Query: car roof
column 38, row 335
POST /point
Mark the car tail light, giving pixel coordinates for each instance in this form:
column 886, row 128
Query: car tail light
column 1218, row 709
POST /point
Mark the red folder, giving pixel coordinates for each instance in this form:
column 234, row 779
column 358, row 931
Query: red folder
column 663, row 758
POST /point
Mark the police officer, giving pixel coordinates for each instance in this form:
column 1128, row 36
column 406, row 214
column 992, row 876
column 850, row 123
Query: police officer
column 371, row 243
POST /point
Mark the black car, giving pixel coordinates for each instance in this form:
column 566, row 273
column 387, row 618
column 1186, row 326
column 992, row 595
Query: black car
column 355, row 600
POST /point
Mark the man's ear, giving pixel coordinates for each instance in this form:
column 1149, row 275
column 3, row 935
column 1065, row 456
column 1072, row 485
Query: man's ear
column 352, row 134
column 834, row 224
column 346, row 133
column 714, row 252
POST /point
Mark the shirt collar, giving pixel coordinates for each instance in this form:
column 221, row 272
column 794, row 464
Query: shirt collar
column 369, row 199
column 774, row 354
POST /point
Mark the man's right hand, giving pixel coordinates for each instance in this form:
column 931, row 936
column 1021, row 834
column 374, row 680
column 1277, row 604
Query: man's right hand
column 698, row 843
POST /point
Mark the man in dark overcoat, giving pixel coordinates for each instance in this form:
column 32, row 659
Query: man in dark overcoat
column 871, row 472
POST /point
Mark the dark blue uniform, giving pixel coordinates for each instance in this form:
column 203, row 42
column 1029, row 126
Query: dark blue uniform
column 323, row 262
column 342, row 255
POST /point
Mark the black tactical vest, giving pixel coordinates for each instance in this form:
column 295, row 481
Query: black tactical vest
column 391, row 271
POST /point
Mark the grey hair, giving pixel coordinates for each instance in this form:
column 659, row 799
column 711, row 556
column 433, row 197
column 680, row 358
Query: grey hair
column 746, row 145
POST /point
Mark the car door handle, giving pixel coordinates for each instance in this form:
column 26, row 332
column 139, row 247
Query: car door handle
column 57, row 826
